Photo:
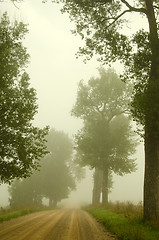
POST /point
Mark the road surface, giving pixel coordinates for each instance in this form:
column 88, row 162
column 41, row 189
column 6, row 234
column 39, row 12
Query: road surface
column 63, row 224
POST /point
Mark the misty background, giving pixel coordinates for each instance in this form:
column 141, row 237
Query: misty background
column 55, row 72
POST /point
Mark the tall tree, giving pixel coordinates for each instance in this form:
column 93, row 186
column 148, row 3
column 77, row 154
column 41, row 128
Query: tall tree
column 105, row 140
column 101, row 185
column 21, row 144
column 99, row 22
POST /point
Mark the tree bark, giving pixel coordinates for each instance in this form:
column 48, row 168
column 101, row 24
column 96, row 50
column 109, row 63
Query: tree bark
column 54, row 203
column 105, row 187
column 151, row 181
column 97, row 188
column 50, row 202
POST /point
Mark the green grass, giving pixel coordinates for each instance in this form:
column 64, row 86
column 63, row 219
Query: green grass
column 124, row 227
column 7, row 214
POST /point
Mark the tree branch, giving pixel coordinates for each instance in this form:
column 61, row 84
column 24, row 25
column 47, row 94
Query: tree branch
column 15, row 4
column 119, row 16
column 133, row 9
column 116, row 114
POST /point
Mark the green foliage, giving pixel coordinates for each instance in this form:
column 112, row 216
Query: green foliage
column 101, row 25
column 106, row 138
column 56, row 173
column 26, row 191
column 78, row 172
column 22, row 144
column 94, row 23
column 54, row 180
column 123, row 227
column 111, row 146
column 137, row 69
column 59, row 145
column 106, row 95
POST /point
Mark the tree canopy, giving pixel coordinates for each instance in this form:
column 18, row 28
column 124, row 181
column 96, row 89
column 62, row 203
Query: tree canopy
column 106, row 133
column 105, row 95
column 105, row 142
column 26, row 192
column 54, row 181
column 56, row 171
column 111, row 146
column 21, row 144
column 100, row 23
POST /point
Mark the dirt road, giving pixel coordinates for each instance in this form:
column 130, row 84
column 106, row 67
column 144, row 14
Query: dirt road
column 65, row 224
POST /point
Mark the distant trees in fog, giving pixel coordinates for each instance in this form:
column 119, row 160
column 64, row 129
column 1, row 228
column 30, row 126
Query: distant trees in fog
column 106, row 141
column 54, row 181
column 57, row 180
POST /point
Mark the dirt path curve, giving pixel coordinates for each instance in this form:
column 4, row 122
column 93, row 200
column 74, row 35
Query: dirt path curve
column 65, row 224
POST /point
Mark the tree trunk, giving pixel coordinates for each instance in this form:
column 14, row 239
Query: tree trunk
column 151, row 181
column 105, row 187
column 50, row 202
column 97, row 188
column 54, row 203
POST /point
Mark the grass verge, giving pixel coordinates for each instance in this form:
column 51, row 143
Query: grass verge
column 9, row 214
column 125, row 228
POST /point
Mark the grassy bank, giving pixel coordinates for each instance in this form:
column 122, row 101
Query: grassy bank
column 126, row 227
column 7, row 214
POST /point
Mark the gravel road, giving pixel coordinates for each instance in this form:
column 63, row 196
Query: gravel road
column 63, row 224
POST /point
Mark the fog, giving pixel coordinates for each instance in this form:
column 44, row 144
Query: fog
column 55, row 72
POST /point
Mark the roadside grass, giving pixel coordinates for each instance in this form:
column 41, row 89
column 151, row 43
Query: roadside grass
column 126, row 225
column 130, row 210
column 9, row 213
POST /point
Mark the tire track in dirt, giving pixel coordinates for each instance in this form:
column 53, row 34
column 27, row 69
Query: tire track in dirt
column 22, row 227
column 50, row 227
column 21, row 222
column 64, row 224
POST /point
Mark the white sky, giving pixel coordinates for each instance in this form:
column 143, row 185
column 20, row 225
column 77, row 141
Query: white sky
column 55, row 72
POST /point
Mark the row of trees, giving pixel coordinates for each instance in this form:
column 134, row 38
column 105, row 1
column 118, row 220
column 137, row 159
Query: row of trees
column 101, row 23
column 56, row 177
column 23, row 145
column 25, row 148
column 105, row 143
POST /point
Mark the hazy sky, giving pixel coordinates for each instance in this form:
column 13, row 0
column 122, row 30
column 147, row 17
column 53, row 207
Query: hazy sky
column 55, row 72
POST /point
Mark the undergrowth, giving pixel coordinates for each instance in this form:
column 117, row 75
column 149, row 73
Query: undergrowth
column 130, row 210
column 125, row 221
